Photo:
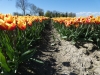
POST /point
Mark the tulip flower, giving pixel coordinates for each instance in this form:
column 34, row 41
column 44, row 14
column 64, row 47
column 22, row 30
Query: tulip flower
column 21, row 25
column 8, row 19
column 30, row 23
column 2, row 24
column 11, row 26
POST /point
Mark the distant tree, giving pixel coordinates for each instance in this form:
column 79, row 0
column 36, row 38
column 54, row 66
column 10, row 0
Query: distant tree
column 74, row 15
column 33, row 9
column 71, row 14
column 61, row 14
column 58, row 14
column 54, row 13
column 40, row 12
column 23, row 5
column 16, row 13
column 48, row 14
column 28, row 14
column 66, row 14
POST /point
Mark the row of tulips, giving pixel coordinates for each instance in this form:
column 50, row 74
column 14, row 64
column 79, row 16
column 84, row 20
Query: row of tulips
column 17, row 36
column 79, row 29
column 77, row 20
column 9, row 22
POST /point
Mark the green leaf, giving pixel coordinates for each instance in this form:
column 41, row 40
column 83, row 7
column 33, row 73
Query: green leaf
column 26, row 55
column 0, row 49
column 36, row 60
column 87, row 31
column 4, row 63
column 89, row 39
column 64, row 37
column 7, row 44
column 9, row 51
column 98, row 39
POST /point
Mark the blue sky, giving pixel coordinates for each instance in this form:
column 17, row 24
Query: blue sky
column 80, row 7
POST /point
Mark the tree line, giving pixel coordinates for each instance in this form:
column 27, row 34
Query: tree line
column 24, row 5
column 59, row 14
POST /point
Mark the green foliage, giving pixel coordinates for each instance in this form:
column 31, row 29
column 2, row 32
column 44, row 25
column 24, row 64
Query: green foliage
column 83, row 33
column 59, row 14
column 3, row 63
column 15, row 46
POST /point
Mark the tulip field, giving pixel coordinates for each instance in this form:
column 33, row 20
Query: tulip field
column 18, row 33
column 79, row 29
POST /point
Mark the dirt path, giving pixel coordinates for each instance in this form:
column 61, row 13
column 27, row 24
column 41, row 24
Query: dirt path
column 73, row 60
column 60, row 57
column 67, row 59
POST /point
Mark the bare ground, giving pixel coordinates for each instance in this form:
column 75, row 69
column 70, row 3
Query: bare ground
column 60, row 57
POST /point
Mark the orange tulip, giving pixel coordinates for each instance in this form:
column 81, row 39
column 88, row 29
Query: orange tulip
column 40, row 19
column 2, row 24
column 11, row 26
column 30, row 23
column 1, row 16
column 8, row 19
column 9, row 22
column 67, row 24
column 76, row 24
column 21, row 25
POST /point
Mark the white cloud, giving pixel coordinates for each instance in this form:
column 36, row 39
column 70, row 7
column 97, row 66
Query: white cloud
column 87, row 14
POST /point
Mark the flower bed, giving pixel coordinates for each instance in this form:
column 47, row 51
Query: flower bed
column 17, row 34
column 82, row 29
